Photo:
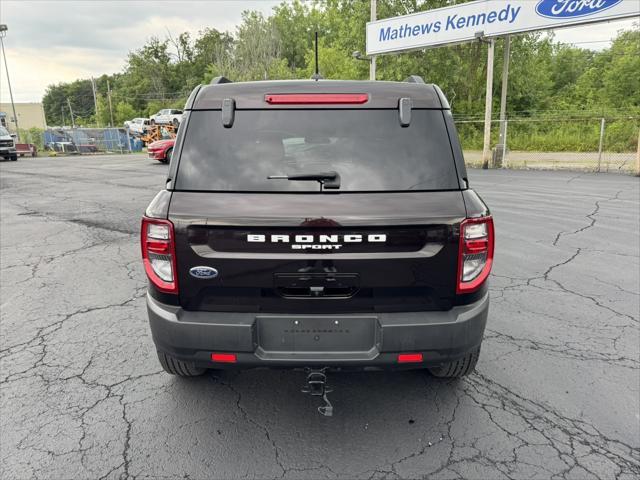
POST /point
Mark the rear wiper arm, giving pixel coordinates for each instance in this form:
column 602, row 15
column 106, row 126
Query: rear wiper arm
column 329, row 180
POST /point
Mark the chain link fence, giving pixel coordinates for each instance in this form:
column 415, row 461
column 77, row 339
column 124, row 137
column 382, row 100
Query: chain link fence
column 88, row 140
column 555, row 142
column 596, row 144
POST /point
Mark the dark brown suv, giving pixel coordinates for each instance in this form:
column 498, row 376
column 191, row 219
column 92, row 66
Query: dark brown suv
column 320, row 225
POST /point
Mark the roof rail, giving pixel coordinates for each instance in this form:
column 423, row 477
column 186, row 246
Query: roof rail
column 414, row 79
column 221, row 79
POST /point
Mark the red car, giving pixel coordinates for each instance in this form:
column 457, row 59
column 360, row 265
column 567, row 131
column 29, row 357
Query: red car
column 161, row 150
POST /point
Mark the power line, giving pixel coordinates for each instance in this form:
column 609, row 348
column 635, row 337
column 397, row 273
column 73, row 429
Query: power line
column 583, row 43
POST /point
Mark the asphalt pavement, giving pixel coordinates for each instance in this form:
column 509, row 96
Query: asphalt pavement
column 555, row 394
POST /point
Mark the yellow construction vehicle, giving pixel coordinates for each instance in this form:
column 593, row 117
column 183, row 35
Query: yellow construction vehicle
column 158, row 132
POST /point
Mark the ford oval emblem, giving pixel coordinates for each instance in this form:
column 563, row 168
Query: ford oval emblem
column 203, row 272
column 572, row 8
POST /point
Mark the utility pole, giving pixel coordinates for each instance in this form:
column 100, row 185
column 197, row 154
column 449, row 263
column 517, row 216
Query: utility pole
column 73, row 122
column 62, row 111
column 486, row 149
column 3, row 33
column 110, row 106
column 502, row 140
column 372, row 64
column 95, row 100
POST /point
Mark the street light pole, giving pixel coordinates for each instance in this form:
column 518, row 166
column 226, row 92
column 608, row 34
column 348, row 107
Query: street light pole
column 3, row 33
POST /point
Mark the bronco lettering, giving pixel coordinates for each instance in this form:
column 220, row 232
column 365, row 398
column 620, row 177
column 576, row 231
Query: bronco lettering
column 349, row 238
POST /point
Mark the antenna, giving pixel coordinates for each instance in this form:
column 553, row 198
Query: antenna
column 316, row 76
column 317, row 72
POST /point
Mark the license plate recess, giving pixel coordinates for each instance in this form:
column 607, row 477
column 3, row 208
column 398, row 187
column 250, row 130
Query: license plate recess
column 317, row 333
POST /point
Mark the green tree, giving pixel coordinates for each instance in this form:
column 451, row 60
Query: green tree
column 211, row 47
column 543, row 75
column 104, row 116
column 333, row 63
column 296, row 24
column 123, row 112
column 57, row 98
column 257, row 47
column 621, row 75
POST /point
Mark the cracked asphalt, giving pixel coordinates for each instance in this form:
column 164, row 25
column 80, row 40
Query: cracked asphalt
column 555, row 394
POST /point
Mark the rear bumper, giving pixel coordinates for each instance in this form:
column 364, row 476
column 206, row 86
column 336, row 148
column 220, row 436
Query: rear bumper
column 440, row 336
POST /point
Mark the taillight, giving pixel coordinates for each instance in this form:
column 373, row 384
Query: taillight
column 475, row 255
column 159, row 253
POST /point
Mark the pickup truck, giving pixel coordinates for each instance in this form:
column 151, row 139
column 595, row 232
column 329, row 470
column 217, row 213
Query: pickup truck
column 7, row 145
column 137, row 126
column 168, row 116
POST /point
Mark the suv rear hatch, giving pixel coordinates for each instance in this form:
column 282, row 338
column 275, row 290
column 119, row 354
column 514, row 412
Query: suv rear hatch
column 396, row 251
column 385, row 240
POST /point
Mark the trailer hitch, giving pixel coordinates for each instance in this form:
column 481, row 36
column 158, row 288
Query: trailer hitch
column 317, row 387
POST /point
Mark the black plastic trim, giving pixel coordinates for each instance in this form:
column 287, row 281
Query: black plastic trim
column 192, row 97
column 458, row 155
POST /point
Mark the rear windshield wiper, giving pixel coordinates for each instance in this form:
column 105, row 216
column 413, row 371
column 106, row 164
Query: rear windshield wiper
column 330, row 180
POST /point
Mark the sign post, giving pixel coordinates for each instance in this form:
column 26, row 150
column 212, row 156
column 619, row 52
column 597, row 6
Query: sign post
column 502, row 139
column 372, row 65
column 486, row 148
column 460, row 23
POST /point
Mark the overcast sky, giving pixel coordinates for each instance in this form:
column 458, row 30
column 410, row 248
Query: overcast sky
column 58, row 41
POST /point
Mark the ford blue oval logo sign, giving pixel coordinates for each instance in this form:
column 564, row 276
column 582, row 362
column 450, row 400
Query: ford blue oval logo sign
column 572, row 8
column 203, row 272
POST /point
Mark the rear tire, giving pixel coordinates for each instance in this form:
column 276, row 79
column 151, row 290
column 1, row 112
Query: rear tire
column 459, row 368
column 14, row 158
column 178, row 367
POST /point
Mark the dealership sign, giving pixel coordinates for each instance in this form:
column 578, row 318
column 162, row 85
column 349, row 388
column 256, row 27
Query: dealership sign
column 462, row 22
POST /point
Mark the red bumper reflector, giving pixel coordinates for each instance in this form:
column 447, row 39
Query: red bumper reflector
column 224, row 357
column 409, row 358
column 315, row 98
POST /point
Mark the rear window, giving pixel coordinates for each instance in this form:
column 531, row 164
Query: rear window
column 367, row 148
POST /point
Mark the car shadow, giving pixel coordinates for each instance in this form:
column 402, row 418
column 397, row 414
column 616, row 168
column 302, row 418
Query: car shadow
column 378, row 418
column 404, row 397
